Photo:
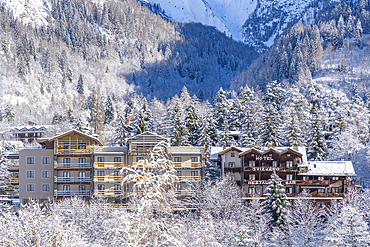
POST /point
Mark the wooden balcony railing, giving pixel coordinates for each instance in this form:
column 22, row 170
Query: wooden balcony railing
column 189, row 178
column 108, row 179
column 313, row 182
column 72, row 165
column 108, row 165
column 72, row 180
column 13, row 167
column 61, row 150
column 60, row 193
column 186, row 165
column 108, row 193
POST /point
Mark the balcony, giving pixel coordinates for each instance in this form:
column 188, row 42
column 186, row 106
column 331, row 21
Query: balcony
column 72, row 166
column 14, row 181
column 108, row 179
column 316, row 194
column 72, row 180
column 108, row 193
column 189, row 178
column 13, row 168
column 62, row 151
column 108, row 165
column 184, row 192
column 262, row 168
column 184, row 165
column 64, row 193
column 313, row 182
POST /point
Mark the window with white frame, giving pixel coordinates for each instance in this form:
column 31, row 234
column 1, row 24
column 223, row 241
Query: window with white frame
column 320, row 190
column 335, row 190
column 117, row 187
column 101, row 186
column 66, row 187
column 82, row 160
column 290, row 190
column 46, row 160
column 100, row 173
column 100, row 159
column 117, row 159
column 320, row 178
column 30, row 187
column 194, row 159
column 177, row 159
column 335, row 178
column 82, row 187
column 194, row 173
column 252, row 163
column 274, row 163
column 252, row 155
column 305, row 178
column 231, row 164
column 30, row 174
column 30, row 160
column 82, row 146
column 251, row 190
column 289, row 164
column 82, row 174
column 66, row 174
column 116, row 174
column 45, row 174
column 288, row 155
column 45, row 187
column 252, row 177
column 289, row 177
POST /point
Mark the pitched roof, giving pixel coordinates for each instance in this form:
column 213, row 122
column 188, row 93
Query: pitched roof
column 75, row 132
column 148, row 133
column 331, row 168
column 230, row 149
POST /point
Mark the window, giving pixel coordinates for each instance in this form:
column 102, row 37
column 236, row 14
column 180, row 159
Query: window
column 274, row 163
column 320, row 190
column 66, row 146
column 117, row 187
column 45, row 187
column 305, row 178
column 252, row 155
column 320, row 178
column 82, row 146
column 251, row 190
column 45, row 160
column 82, row 187
column 45, row 174
column 289, row 164
column 82, row 160
column 117, row 159
column 290, row 190
column 177, row 187
column 30, row 187
column 194, row 173
column 288, row 155
column 232, row 154
column 30, row 160
column 100, row 186
column 139, row 158
column 66, row 174
column 117, row 173
column 335, row 178
column 328, row 190
column 30, row 174
column 66, row 187
column 289, row 177
column 82, row 174
column 100, row 173
column 336, row 190
column 178, row 173
column 252, row 177
column 270, row 155
column 100, row 159
column 177, row 159
column 194, row 159
column 231, row 164
column 252, row 163
column 67, row 162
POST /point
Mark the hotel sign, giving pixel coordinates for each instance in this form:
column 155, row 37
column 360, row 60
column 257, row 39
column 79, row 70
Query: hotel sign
column 259, row 182
column 264, row 158
column 257, row 169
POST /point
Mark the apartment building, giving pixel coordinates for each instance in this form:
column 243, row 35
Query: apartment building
column 76, row 164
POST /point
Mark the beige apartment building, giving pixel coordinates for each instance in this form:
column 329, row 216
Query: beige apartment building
column 76, row 164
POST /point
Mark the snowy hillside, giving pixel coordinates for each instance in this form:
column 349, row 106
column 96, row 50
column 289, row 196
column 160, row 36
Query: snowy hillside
column 226, row 15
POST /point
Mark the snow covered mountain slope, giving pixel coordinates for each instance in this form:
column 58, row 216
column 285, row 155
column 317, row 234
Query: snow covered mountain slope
column 226, row 15
column 29, row 11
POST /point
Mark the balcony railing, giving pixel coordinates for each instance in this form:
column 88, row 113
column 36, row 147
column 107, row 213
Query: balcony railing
column 108, row 193
column 13, row 167
column 14, row 181
column 184, row 192
column 186, row 165
column 72, row 180
column 72, row 151
column 72, row 165
column 313, row 182
column 108, row 165
column 108, row 179
column 189, row 178
column 59, row 193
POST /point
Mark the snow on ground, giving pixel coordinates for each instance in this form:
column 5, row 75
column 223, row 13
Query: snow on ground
column 226, row 15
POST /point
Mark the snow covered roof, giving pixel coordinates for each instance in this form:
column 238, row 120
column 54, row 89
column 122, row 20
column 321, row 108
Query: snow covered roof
column 215, row 151
column 148, row 133
column 331, row 168
column 78, row 133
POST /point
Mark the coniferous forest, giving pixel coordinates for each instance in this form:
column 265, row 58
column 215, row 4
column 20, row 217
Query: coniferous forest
column 120, row 68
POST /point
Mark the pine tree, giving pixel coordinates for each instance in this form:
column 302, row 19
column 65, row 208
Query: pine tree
column 78, row 124
column 236, row 115
column 275, row 203
column 120, row 135
column 108, row 111
column 221, row 109
column 179, row 134
column 143, row 121
column 316, row 147
column 80, row 85
column 193, row 125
